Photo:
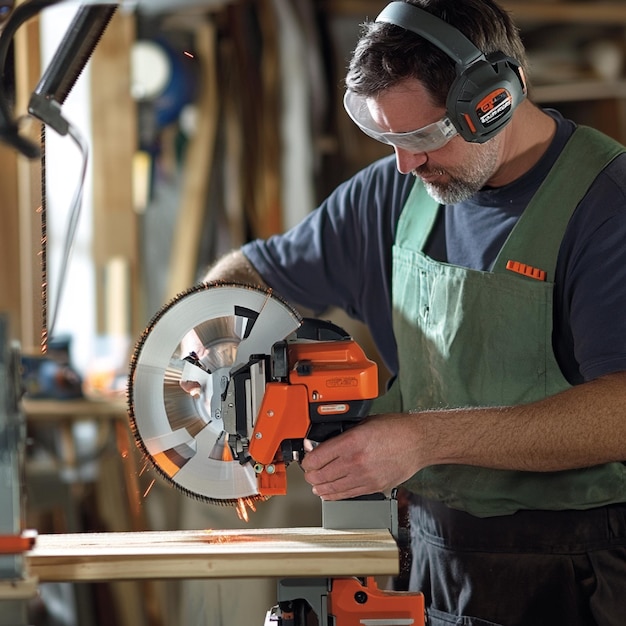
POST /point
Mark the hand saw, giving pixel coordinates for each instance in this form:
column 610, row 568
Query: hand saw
column 228, row 380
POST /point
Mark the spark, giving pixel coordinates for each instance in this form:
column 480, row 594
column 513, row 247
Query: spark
column 147, row 491
column 188, row 54
column 242, row 512
column 144, row 468
column 242, row 508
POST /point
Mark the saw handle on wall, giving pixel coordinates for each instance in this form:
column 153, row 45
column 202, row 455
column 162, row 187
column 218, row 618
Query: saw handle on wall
column 9, row 131
column 70, row 59
column 68, row 63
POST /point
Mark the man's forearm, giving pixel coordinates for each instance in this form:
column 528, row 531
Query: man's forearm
column 583, row 426
column 234, row 267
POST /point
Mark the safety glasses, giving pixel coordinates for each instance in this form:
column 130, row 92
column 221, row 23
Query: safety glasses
column 426, row 139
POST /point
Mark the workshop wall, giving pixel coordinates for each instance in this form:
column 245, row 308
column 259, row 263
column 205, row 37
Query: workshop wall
column 283, row 141
column 262, row 139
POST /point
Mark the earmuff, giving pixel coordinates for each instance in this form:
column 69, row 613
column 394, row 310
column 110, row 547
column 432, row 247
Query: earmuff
column 486, row 90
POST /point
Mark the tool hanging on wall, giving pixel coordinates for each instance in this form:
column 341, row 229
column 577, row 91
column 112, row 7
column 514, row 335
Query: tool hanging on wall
column 45, row 103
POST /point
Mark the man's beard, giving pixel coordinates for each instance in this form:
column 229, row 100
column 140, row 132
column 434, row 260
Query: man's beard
column 466, row 181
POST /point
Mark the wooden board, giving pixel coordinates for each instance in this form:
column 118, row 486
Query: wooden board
column 44, row 410
column 316, row 552
column 113, row 146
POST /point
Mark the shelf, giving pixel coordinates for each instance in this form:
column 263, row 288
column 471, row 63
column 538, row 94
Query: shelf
column 579, row 91
column 585, row 12
column 573, row 12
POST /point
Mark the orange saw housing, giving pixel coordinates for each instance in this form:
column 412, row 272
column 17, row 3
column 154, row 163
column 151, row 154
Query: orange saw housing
column 353, row 602
column 327, row 387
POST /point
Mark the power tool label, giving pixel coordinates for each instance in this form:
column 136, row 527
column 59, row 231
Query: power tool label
column 342, row 381
column 497, row 104
column 333, row 409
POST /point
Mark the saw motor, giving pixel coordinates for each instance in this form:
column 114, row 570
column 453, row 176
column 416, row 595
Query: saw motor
column 226, row 383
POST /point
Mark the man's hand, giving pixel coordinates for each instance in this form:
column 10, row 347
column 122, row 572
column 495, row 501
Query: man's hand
column 368, row 458
column 580, row 427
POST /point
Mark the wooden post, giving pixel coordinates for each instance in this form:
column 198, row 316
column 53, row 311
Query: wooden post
column 198, row 165
column 20, row 186
column 114, row 143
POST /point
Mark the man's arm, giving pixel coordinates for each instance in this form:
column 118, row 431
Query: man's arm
column 235, row 267
column 580, row 427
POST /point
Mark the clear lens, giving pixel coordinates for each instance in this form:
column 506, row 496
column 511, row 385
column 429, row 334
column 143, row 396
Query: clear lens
column 426, row 139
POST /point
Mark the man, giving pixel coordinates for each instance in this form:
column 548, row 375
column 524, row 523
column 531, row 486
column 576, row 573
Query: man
column 498, row 306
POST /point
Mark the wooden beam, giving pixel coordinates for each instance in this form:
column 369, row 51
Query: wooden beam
column 198, row 165
column 9, row 249
column 114, row 141
column 20, row 185
column 317, row 552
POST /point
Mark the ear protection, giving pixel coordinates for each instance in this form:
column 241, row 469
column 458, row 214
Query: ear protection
column 486, row 90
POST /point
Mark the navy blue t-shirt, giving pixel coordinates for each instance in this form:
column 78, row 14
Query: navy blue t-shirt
column 340, row 255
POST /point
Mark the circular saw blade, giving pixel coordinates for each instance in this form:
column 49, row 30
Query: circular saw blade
column 179, row 371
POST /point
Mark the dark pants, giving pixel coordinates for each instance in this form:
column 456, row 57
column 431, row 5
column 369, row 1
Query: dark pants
column 533, row 568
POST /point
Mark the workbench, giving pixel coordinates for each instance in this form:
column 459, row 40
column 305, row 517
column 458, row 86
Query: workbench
column 134, row 559
column 60, row 487
column 110, row 416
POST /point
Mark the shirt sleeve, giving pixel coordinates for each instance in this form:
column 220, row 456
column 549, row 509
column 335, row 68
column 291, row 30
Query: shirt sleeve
column 593, row 273
column 340, row 254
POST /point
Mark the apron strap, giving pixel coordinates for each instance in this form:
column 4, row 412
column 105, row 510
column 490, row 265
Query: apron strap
column 536, row 238
column 417, row 221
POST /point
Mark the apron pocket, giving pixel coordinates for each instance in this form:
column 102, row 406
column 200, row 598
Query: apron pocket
column 440, row 618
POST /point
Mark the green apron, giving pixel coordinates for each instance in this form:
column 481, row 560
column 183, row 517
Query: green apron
column 470, row 338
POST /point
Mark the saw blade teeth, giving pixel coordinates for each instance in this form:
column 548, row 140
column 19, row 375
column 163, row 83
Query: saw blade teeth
column 175, row 402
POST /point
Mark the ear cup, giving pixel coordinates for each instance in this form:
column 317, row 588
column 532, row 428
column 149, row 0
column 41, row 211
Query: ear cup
column 483, row 97
column 486, row 90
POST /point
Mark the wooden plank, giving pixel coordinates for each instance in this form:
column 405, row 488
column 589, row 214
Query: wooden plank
column 267, row 220
column 9, row 237
column 317, row 552
column 114, row 143
column 28, row 67
column 79, row 409
column 20, row 185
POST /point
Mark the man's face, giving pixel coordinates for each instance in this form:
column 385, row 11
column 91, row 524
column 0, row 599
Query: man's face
column 451, row 173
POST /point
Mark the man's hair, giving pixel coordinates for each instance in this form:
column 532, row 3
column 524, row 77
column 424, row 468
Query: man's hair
column 387, row 54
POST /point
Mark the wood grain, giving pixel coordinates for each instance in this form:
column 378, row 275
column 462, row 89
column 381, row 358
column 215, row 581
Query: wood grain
column 213, row 554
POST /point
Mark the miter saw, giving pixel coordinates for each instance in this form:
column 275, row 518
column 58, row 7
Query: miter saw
column 226, row 384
